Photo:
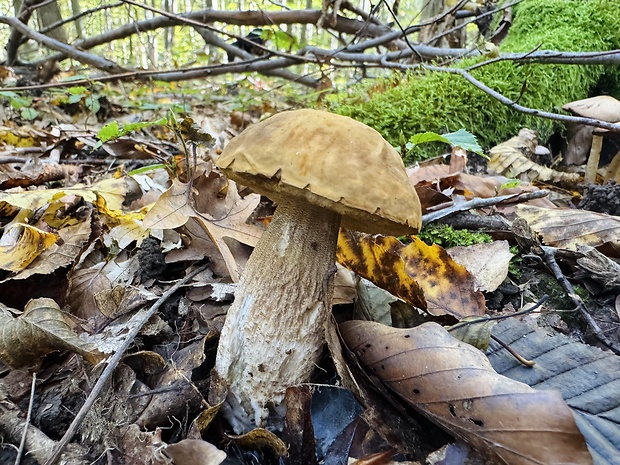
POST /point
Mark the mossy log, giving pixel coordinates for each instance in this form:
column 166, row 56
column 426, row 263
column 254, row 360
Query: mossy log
column 442, row 102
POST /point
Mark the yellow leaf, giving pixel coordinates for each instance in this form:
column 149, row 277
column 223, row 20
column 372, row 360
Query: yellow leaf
column 423, row 276
column 21, row 244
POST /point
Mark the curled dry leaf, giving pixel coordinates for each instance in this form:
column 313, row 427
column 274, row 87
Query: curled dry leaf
column 567, row 228
column 21, row 244
column 422, row 275
column 41, row 329
column 508, row 159
column 454, row 385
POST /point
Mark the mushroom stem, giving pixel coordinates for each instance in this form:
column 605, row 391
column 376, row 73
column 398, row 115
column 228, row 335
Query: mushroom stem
column 593, row 159
column 273, row 333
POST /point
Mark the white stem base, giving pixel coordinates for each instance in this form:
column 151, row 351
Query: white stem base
column 273, row 334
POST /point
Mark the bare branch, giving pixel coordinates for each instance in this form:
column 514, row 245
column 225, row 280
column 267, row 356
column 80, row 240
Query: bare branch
column 67, row 50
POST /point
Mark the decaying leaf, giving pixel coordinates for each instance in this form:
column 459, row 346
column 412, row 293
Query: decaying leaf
column 61, row 253
column 586, row 376
column 568, row 228
column 175, row 207
column 423, row 276
column 41, row 329
column 488, row 263
column 92, row 275
column 454, row 385
column 510, row 158
column 260, row 438
column 475, row 331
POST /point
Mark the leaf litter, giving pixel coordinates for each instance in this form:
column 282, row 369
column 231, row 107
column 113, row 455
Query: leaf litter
column 94, row 270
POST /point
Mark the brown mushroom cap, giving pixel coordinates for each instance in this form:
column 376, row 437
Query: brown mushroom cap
column 331, row 161
column 601, row 107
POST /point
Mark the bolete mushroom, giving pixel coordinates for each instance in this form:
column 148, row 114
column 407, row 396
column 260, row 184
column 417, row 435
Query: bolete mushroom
column 582, row 138
column 322, row 170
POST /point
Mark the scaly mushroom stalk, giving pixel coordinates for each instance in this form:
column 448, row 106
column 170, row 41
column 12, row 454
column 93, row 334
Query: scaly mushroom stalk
column 273, row 334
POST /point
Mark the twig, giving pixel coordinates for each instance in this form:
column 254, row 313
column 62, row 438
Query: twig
column 22, row 443
column 79, row 55
column 515, row 106
column 112, row 364
column 520, row 358
column 552, row 264
column 479, row 203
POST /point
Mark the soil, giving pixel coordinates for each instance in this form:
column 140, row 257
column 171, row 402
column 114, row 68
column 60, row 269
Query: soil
column 602, row 199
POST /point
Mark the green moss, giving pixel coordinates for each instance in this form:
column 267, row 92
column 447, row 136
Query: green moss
column 442, row 102
column 446, row 236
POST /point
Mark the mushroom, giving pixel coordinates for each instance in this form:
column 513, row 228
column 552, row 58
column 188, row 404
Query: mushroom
column 322, row 170
column 582, row 138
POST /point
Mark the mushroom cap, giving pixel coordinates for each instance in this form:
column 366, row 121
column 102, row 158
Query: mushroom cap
column 601, row 107
column 331, row 161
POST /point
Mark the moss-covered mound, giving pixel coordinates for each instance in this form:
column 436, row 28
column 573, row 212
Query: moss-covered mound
column 444, row 102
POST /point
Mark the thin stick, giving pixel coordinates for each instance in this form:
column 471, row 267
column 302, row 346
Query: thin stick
column 22, row 444
column 479, row 203
column 520, row 359
column 112, row 364
column 552, row 264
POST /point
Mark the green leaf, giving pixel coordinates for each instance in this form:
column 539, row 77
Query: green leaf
column 75, row 98
column 109, row 131
column 510, row 184
column 92, row 103
column 283, row 40
column 77, row 90
column 465, row 140
column 29, row 113
column 425, row 137
column 143, row 124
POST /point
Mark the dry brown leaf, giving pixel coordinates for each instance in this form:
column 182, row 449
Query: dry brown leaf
column 454, row 385
column 568, row 228
column 38, row 175
column 232, row 226
column 437, row 177
column 488, row 263
column 94, row 274
column 195, row 452
column 422, row 275
column 41, row 329
column 508, row 159
column 220, row 217
column 172, row 209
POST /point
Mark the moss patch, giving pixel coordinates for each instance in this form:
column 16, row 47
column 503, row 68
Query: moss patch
column 441, row 102
column 446, row 236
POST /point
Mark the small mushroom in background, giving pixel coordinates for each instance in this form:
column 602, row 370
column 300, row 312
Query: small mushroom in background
column 613, row 169
column 584, row 139
column 323, row 170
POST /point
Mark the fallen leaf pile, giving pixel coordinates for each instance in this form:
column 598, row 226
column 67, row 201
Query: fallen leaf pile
column 94, row 230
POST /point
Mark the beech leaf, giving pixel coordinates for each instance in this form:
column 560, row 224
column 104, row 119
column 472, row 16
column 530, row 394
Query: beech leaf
column 41, row 329
column 454, row 385
column 568, row 228
column 422, row 275
column 508, row 159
